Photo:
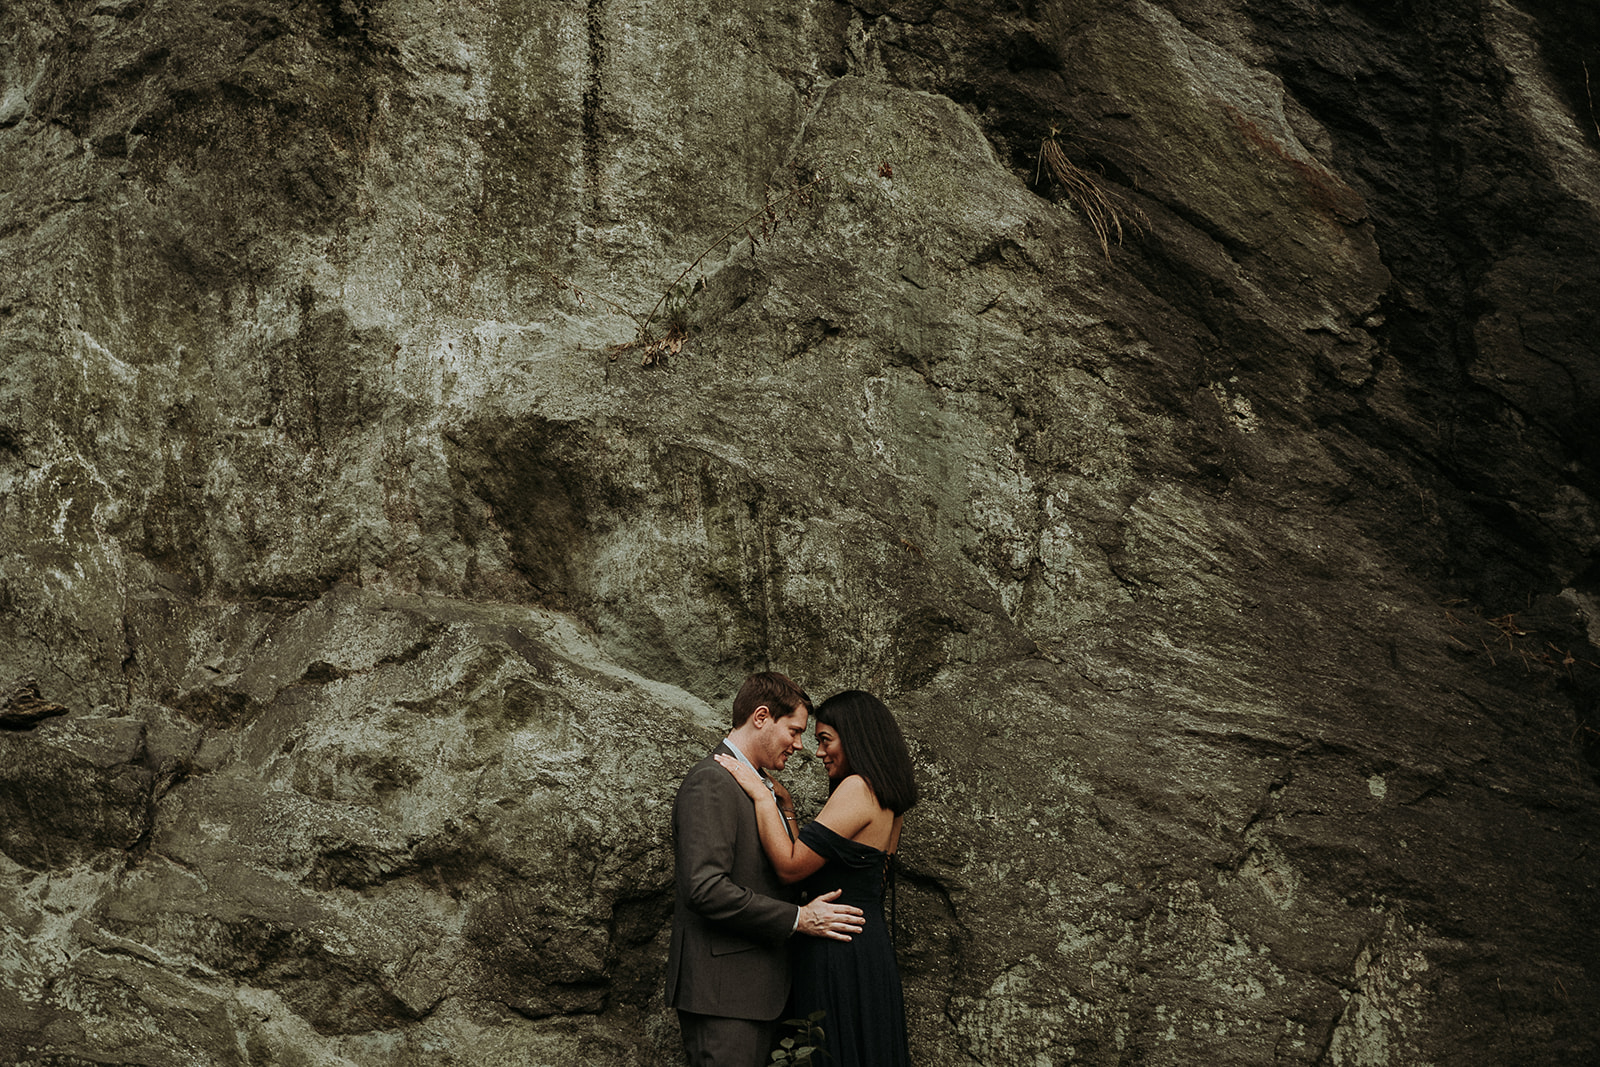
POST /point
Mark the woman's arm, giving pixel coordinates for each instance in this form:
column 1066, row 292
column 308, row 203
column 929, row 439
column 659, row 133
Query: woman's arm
column 791, row 859
column 785, row 803
column 851, row 807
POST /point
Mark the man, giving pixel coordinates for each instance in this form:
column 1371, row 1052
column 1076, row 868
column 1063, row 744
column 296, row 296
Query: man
column 728, row 969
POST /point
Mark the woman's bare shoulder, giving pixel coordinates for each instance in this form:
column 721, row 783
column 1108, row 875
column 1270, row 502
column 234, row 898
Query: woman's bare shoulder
column 855, row 789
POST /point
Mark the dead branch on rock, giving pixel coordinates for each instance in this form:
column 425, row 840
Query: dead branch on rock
column 676, row 298
column 580, row 294
column 769, row 218
column 1505, row 628
column 21, row 705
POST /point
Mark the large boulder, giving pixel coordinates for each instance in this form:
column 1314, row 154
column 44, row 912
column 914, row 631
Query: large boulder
column 415, row 422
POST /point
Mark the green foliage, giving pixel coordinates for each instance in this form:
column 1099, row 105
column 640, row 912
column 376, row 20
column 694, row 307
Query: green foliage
column 679, row 309
column 806, row 1045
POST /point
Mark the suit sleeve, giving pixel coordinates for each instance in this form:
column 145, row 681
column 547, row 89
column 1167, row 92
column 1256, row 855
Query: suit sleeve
column 706, row 820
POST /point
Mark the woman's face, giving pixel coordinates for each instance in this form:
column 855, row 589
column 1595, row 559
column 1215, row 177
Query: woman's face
column 831, row 752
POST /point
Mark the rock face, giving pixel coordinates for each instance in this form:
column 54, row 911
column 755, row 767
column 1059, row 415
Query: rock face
column 393, row 515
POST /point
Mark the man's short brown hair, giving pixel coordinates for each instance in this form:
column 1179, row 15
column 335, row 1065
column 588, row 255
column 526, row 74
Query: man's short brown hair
column 777, row 691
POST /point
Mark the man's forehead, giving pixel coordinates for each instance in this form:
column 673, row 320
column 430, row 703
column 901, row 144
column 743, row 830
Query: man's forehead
column 796, row 718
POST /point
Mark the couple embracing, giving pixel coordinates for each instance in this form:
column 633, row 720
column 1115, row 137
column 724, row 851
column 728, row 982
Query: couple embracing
column 747, row 949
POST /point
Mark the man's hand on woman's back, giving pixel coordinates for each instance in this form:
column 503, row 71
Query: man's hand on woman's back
column 823, row 918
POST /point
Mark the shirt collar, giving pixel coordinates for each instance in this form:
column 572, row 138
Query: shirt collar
column 742, row 759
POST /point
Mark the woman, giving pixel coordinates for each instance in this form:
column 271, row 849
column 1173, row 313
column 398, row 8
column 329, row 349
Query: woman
column 850, row 846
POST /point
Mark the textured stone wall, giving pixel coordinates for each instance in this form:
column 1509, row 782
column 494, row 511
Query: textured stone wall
column 1236, row 583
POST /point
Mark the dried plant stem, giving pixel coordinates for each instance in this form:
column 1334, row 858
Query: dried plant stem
column 657, row 349
column 765, row 212
column 580, row 292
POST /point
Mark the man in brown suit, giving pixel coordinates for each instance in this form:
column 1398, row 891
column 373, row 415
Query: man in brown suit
column 728, row 969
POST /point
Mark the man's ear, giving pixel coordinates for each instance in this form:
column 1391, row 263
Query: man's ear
column 760, row 712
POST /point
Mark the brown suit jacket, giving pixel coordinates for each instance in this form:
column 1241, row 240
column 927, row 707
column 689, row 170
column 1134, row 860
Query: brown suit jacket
column 732, row 919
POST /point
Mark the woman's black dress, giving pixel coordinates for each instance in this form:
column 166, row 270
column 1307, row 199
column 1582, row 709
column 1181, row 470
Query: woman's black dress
column 855, row 982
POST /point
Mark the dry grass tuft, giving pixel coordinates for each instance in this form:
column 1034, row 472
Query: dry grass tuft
column 1084, row 190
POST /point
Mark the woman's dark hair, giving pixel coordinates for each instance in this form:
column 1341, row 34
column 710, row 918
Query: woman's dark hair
column 873, row 746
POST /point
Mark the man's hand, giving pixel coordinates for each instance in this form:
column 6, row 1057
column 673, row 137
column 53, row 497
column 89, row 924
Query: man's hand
column 823, row 918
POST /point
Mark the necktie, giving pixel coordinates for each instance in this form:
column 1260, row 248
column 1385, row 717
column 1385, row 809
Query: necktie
column 787, row 828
